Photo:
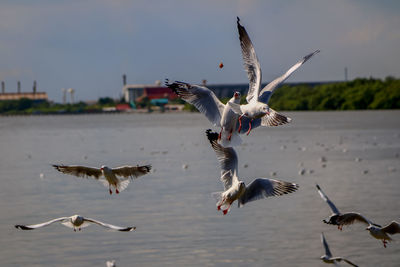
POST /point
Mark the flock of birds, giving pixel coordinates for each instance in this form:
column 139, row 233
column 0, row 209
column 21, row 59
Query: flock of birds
column 233, row 119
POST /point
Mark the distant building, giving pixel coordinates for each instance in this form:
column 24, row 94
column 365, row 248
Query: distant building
column 137, row 92
column 39, row 96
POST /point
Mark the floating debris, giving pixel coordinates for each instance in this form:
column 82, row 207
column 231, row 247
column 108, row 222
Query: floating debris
column 391, row 169
column 246, row 165
column 310, row 171
column 283, row 147
column 272, row 173
column 322, row 159
column 302, row 171
column 365, row 171
column 185, row 166
column 344, row 150
column 323, row 165
column 357, row 159
column 111, row 263
column 301, row 164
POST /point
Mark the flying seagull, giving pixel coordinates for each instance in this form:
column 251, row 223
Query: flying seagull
column 382, row 232
column 327, row 258
column 234, row 189
column 217, row 113
column 110, row 175
column 75, row 222
column 257, row 101
column 340, row 219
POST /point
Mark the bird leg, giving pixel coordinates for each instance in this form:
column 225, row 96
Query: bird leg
column 339, row 227
column 116, row 190
column 240, row 123
column 220, row 204
column 74, row 229
column 384, row 243
column 249, row 127
column 110, row 191
column 225, row 211
column 230, row 135
column 79, row 228
column 220, row 134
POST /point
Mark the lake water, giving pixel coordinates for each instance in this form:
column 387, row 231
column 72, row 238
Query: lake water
column 176, row 218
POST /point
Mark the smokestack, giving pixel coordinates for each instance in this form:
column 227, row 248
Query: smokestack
column 18, row 87
column 124, row 79
column 34, row 87
column 345, row 74
column 3, row 87
column 64, row 91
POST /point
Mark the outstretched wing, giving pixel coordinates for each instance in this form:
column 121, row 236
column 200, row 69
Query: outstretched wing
column 80, row 171
column 201, row 97
column 274, row 119
column 327, row 200
column 327, row 251
column 227, row 159
column 250, row 62
column 110, row 226
column 132, row 171
column 352, row 217
column 34, row 226
column 262, row 188
column 349, row 262
column 267, row 91
column 392, row 228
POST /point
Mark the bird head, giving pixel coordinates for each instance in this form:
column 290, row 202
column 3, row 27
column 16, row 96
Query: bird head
column 236, row 95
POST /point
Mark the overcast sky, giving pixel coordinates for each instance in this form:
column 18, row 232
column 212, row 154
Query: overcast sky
column 89, row 44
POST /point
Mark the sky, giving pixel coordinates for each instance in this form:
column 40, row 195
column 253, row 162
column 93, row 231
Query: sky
column 88, row 44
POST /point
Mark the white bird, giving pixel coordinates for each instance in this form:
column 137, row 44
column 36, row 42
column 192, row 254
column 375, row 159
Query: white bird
column 382, row 232
column 75, row 222
column 110, row 175
column 111, row 263
column 327, row 258
column 257, row 101
column 340, row 219
column 217, row 113
column 234, row 189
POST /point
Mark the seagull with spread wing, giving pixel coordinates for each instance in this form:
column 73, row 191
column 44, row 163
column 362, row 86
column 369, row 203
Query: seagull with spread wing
column 382, row 232
column 327, row 258
column 257, row 101
column 234, row 189
column 107, row 175
column 340, row 219
column 75, row 222
column 217, row 113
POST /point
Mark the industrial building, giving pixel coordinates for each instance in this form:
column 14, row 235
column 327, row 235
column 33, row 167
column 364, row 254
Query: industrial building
column 34, row 95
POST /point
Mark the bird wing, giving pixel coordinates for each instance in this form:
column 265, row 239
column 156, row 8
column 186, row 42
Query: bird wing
column 250, row 62
column 131, row 171
column 274, row 119
column 327, row 251
column 349, row 262
column 202, row 98
column 262, row 188
column 392, row 228
column 110, row 226
column 352, row 217
column 327, row 200
column 267, row 91
column 34, row 226
column 227, row 159
column 80, row 171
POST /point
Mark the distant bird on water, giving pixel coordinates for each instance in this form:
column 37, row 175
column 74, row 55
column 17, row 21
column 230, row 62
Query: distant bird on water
column 237, row 190
column 257, row 100
column 75, row 222
column 327, row 258
column 110, row 175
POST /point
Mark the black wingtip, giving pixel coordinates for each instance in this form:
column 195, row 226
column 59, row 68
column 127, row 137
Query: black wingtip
column 238, row 20
column 147, row 167
column 128, row 229
column 22, row 227
column 319, row 188
column 212, row 136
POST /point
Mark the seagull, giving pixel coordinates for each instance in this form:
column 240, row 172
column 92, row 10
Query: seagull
column 217, row 113
column 327, row 258
column 340, row 219
column 382, row 232
column 234, row 189
column 111, row 263
column 75, row 222
column 257, row 101
column 110, row 175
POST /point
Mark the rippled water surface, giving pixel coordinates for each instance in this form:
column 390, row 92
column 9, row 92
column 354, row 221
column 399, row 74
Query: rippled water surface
column 176, row 218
